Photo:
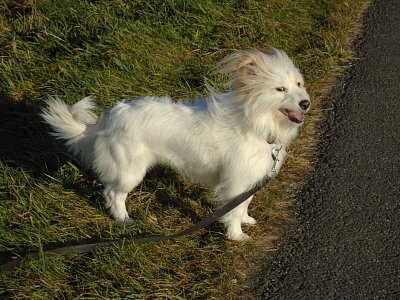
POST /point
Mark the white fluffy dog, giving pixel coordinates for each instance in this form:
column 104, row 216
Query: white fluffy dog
column 225, row 142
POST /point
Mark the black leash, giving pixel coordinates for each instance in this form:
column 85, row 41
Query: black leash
column 90, row 247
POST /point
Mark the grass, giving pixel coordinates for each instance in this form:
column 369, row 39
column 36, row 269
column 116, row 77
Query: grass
column 127, row 49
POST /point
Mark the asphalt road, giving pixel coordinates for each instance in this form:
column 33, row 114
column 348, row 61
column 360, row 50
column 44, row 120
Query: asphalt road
column 347, row 242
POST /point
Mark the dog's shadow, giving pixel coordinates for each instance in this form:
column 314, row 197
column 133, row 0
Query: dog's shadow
column 25, row 144
column 159, row 181
column 24, row 140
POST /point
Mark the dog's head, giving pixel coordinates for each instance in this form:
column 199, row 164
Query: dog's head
column 269, row 83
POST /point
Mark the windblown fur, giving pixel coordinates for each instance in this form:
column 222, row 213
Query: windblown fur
column 224, row 142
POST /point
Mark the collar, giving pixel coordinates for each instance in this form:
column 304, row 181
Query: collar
column 271, row 140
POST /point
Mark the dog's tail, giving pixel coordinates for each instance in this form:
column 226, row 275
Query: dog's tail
column 73, row 124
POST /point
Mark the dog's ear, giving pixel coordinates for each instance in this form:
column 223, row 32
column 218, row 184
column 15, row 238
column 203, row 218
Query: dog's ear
column 242, row 66
column 244, row 60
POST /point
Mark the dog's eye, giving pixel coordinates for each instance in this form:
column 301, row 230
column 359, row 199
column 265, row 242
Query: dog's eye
column 298, row 84
column 281, row 89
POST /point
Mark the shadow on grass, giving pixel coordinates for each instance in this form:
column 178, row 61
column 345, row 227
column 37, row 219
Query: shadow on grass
column 24, row 139
column 171, row 190
column 25, row 143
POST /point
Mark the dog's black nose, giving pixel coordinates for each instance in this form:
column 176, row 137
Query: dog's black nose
column 304, row 104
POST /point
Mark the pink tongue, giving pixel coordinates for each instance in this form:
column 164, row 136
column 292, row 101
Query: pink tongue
column 295, row 116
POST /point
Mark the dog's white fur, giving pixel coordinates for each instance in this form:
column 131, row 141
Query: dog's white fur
column 224, row 142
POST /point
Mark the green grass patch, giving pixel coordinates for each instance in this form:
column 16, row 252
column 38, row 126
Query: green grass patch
column 128, row 49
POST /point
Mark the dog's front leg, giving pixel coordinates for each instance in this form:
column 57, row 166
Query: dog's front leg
column 233, row 221
column 246, row 219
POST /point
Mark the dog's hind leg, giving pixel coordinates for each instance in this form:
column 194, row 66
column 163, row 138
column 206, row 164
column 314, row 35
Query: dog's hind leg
column 115, row 192
column 115, row 202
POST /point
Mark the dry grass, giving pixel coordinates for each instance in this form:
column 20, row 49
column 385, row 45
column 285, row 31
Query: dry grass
column 127, row 49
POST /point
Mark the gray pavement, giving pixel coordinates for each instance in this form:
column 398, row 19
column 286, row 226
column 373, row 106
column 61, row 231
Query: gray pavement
column 347, row 242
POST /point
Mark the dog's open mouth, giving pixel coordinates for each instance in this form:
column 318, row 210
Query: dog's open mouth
column 293, row 116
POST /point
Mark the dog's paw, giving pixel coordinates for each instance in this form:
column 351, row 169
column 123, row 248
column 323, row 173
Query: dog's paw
column 124, row 221
column 239, row 237
column 248, row 220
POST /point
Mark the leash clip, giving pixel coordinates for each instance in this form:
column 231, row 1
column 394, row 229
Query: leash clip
column 275, row 157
